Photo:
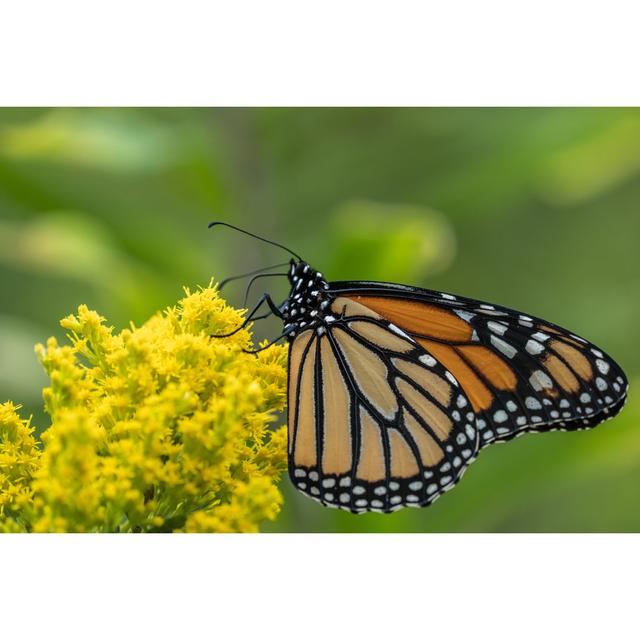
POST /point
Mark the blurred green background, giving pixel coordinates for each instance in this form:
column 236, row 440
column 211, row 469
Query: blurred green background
column 537, row 209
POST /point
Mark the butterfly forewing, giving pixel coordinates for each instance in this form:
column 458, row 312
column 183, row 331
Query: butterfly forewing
column 520, row 373
column 375, row 421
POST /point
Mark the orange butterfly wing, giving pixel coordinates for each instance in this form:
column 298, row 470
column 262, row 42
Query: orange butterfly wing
column 375, row 423
column 520, row 373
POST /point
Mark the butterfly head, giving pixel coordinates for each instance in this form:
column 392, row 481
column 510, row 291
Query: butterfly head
column 307, row 300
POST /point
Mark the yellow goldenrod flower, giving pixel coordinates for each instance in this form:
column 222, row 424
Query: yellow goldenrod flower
column 155, row 428
column 19, row 460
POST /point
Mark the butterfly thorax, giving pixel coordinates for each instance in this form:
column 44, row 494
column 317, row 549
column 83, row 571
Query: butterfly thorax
column 307, row 301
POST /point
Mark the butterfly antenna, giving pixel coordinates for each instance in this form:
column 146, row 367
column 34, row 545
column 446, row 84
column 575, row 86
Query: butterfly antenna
column 250, row 273
column 253, row 235
column 262, row 275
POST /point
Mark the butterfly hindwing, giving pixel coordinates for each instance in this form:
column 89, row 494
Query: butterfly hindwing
column 375, row 421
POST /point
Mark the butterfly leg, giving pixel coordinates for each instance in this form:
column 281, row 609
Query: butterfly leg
column 250, row 318
column 284, row 334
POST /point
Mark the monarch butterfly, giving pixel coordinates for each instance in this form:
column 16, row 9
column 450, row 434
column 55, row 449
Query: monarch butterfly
column 394, row 390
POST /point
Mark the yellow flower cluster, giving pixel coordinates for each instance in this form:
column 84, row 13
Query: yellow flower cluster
column 19, row 460
column 156, row 428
